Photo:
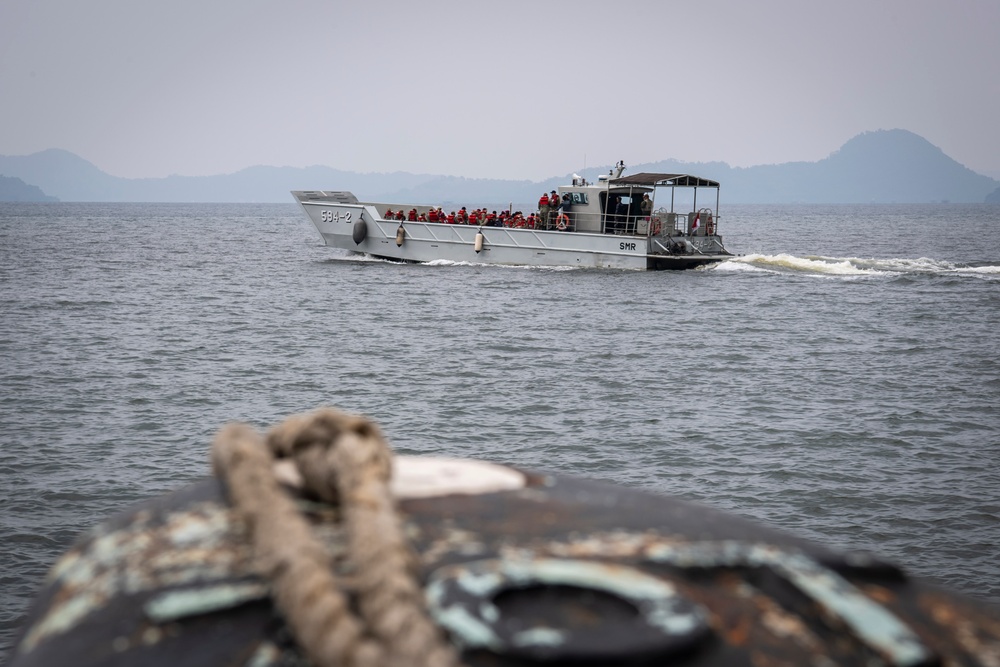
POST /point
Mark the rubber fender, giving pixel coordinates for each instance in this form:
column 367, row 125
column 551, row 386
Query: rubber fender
column 360, row 232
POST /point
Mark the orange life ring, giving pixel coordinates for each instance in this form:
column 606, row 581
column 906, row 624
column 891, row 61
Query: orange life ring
column 562, row 222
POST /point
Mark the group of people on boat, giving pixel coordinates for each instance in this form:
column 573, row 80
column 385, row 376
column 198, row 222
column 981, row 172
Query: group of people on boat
column 549, row 217
column 552, row 210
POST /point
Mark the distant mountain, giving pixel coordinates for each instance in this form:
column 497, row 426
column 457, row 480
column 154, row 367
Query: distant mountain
column 14, row 189
column 75, row 179
column 882, row 166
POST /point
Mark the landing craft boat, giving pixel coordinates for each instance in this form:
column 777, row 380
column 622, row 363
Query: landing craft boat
column 330, row 549
column 596, row 225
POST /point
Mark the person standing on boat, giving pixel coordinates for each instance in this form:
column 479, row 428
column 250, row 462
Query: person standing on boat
column 611, row 214
column 646, row 206
column 553, row 210
column 543, row 206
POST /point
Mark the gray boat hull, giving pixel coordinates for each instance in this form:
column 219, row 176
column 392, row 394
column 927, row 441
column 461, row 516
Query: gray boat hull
column 338, row 224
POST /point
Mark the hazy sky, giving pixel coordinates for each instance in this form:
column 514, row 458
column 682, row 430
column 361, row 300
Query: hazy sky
column 498, row 89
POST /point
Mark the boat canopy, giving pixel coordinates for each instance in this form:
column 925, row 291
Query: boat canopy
column 652, row 180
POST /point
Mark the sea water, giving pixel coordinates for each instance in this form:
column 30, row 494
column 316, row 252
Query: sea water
column 839, row 379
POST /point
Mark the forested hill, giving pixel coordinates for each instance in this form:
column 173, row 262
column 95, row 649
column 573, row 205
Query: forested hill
column 882, row 166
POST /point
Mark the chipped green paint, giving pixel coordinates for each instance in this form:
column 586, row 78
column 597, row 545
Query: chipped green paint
column 175, row 605
column 656, row 600
column 479, row 584
column 199, row 546
column 540, row 637
column 872, row 623
column 466, row 629
column 626, row 582
column 60, row 619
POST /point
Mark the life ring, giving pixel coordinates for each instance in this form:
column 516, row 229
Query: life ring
column 705, row 215
column 654, row 226
column 562, row 222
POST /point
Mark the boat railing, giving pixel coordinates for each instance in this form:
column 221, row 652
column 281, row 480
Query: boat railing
column 671, row 223
column 598, row 223
column 660, row 223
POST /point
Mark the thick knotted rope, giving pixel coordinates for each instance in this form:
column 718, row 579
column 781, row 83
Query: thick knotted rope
column 343, row 459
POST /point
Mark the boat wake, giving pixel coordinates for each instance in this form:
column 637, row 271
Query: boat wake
column 820, row 266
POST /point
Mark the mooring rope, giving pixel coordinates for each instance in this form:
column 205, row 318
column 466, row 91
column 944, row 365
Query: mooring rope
column 342, row 459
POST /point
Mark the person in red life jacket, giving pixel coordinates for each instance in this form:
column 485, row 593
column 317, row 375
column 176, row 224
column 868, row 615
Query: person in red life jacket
column 474, row 217
column 400, row 215
column 422, row 218
column 412, row 217
column 491, row 219
column 463, row 216
column 532, row 221
column 451, row 218
column 432, row 215
column 554, row 204
column 543, row 206
column 389, row 215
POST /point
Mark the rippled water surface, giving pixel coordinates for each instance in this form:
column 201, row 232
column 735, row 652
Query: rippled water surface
column 839, row 380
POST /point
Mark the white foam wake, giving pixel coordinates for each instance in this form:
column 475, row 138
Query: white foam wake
column 819, row 265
